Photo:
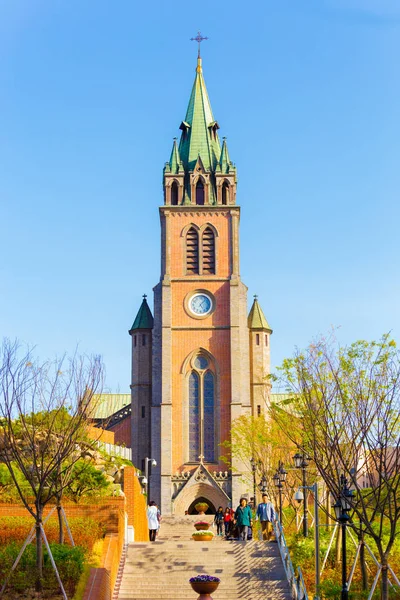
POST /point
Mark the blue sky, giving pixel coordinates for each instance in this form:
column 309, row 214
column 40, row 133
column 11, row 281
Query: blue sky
column 307, row 93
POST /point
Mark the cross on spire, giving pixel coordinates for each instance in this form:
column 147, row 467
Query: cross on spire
column 201, row 457
column 144, row 296
column 199, row 38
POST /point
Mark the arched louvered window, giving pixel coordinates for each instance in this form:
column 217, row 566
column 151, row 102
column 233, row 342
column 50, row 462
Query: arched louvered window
column 208, row 251
column 201, row 411
column 194, row 417
column 200, row 193
column 192, row 252
column 225, row 193
column 174, row 194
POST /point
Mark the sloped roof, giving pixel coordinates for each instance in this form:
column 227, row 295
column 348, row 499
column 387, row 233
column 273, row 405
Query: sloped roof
column 144, row 318
column 256, row 318
column 105, row 405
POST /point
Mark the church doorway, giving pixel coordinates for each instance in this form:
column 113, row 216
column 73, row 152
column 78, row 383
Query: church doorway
column 211, row 508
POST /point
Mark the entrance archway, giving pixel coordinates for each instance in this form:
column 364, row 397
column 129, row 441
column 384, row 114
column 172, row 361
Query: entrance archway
column 211, row 508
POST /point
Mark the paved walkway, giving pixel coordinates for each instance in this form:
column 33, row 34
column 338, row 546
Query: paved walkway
column 161, row 570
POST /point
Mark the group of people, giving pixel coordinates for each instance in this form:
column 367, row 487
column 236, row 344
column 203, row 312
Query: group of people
column 239, row 524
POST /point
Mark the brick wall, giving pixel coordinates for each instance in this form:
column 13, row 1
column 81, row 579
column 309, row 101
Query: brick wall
column 122, row 432
column 135, row 505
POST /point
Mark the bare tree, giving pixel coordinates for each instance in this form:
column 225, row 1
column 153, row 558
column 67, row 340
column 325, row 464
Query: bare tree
column 44, row 408
column 345, row 407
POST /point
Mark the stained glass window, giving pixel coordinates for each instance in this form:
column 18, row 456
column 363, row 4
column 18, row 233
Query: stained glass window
column 194, row 417
column 200, row 362
column 208, row 450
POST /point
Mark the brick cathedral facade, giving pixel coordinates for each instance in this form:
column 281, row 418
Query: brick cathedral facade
column 202, row 360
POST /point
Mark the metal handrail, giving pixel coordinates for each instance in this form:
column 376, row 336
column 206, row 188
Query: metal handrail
column 296, row 582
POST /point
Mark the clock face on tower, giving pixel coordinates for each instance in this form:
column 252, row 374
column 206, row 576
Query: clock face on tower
column 200, row 304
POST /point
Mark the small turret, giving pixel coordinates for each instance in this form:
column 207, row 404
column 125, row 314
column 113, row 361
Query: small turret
column 141, row 333
column 259, row 332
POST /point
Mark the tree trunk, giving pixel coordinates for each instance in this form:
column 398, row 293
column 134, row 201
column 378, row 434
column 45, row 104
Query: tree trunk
column 39, row 549
column 363, row 565
column 385, row 581
column 60, row 523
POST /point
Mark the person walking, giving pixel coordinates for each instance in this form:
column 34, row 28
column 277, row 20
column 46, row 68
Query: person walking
column 219, row 519
column 227, row 522
column 243, row 519
column 153, row 520
column 266, row 515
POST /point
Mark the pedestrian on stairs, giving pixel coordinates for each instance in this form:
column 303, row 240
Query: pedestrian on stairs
column 152, row 519
column 266, row 514
column 243, row 519
column 228, row 522
column 219, row 519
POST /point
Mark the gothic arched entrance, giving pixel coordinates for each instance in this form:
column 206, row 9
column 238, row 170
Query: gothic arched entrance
column 211, row 508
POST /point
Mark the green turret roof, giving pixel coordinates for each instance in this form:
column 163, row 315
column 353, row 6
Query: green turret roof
column 144, row 318
column 199, row 129
column 175, row 163
column 256, row 318
column 225, row 163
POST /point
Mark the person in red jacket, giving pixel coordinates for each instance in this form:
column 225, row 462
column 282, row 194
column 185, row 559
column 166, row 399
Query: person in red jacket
column 227, row 521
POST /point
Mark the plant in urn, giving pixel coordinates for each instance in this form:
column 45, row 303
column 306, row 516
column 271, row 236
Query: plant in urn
column 204, row 585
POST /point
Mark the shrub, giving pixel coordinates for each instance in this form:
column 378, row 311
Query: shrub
column 69, row 561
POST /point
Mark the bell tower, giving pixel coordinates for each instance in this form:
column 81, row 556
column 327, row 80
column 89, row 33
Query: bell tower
column 200, row 337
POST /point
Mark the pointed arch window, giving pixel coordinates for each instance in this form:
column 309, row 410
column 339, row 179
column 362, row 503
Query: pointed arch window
column 225, row 193
column 200, row 192
column 174, row 194
column 201, row 411
column 192, row 251
column 208, row 251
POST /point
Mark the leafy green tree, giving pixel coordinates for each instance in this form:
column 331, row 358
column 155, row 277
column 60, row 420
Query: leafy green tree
column 86, row 480
column 344, row 411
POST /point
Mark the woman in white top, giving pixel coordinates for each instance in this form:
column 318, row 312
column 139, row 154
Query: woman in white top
column 153, row 520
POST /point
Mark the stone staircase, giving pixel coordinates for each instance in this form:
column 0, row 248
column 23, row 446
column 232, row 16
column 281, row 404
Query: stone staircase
column 160, row 570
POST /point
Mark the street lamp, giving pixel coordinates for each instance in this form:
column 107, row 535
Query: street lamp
column 262, row 486
column 341, row 507
column 301, row 461
column 254, row 469
column 279, row 479
column 146, row 472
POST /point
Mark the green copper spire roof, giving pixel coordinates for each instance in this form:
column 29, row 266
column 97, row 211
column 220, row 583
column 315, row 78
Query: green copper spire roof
column 225, row 162
column 175, row 162
column 256, row 318
column 144, row 318
column 199, row 129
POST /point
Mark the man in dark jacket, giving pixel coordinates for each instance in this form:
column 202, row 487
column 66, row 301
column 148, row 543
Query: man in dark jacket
column 243, row 519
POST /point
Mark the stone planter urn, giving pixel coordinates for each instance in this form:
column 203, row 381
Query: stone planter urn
column 201, row 507
column 205, row 588
column 202, row 526
column 203, row 536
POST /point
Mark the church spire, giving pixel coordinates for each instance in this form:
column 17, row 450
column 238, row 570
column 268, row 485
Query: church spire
column 199, row 129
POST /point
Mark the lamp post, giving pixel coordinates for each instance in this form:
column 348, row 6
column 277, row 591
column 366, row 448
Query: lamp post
column 262, row 486
column 301, row 461
column 341, row 507
column 279, row 479
column 146, row 473
column 254, row 469
column 299, row 497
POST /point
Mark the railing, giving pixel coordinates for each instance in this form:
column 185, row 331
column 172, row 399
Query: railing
column 116, row 450
column 296, row 582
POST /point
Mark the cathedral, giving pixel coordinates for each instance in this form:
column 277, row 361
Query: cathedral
column 199, row 360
